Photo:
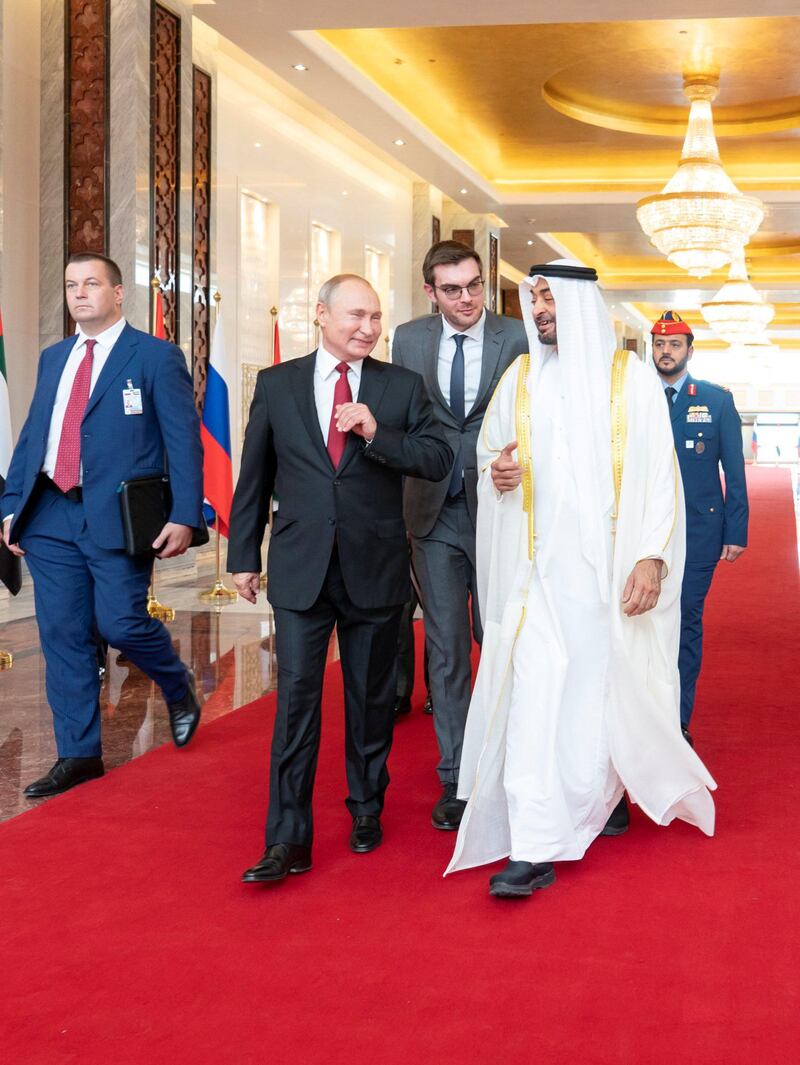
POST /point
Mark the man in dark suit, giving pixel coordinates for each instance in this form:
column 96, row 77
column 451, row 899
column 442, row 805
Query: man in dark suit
column 707, row 431
column 331, row 435
column 461, row 354
column 111, row 404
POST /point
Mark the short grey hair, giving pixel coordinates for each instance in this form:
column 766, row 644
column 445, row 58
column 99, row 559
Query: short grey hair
column 328, row 290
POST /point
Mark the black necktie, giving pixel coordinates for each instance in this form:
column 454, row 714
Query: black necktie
column 457, row 404
column 670, row 393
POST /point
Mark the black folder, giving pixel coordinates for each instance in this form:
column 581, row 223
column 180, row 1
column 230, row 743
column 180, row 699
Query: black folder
column 146, row 504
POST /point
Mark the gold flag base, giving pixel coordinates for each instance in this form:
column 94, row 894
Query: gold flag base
column 6, row 660
column 158, row 610
column 220, row 593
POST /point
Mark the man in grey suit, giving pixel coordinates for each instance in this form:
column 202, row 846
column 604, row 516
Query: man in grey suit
column 461, row 354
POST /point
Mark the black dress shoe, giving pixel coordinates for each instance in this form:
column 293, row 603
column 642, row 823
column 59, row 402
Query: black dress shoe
column 277, row 862
column 65, row 774
column 519, row 879
column 687, row 737
column 367, row 834
column 449, row 810
column 428, row 707
column 402, row 705
column 619, row 820
column 184, row 715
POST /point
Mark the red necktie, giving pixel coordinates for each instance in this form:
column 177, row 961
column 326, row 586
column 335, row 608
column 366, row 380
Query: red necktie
column 341, row 394
column 68, row 461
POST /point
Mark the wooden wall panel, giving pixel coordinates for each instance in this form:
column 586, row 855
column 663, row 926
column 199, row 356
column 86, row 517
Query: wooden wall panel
column 465, row 236
column 165, row 106
column 201, row 232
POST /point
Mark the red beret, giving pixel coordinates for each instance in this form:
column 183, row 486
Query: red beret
column 670, row 323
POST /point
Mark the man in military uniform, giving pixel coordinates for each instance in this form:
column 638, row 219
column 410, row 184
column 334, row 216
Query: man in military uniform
column 707, row 431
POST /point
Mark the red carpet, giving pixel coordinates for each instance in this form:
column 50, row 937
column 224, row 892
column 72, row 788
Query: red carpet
column 128, row 939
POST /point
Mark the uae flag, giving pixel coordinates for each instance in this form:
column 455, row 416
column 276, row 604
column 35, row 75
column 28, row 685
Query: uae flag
column 5, row 411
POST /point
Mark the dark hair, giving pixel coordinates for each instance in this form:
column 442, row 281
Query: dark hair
column 447, row 253
column 690, row 339
column 113, row 271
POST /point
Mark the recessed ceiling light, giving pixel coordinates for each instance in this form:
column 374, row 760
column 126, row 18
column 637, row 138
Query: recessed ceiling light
column 399, row 142
column 463, row 192
column 299, row 66
column 530, row 242
column 257, row 144
column 345, row 192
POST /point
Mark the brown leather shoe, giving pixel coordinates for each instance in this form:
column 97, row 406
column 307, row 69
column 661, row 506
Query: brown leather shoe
column 277, row 861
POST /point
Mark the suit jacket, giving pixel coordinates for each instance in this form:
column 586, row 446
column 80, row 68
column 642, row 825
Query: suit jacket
column 416, row 346
column 707, row 432
column 116, row 446
column 357, row 507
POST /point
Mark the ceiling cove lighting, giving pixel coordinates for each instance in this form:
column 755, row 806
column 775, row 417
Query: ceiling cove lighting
column 738, row 313
column 700, row 220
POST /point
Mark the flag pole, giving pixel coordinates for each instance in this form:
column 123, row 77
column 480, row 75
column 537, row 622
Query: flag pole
column 220, row 593
column 274, row 313
column 6, row 661
column 154, row 608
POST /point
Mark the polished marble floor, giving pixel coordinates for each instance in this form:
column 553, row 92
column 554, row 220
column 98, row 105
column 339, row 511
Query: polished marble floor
column 230, row 649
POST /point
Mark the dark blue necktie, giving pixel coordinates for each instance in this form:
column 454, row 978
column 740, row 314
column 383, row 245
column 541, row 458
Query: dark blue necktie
column 670, row 393
column 457, row 404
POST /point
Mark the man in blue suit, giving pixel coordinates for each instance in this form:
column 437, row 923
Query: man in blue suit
column 707, row 431
column 111, row 404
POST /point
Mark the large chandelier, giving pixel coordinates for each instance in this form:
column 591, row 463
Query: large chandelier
column 700, row 220
column 738, row 313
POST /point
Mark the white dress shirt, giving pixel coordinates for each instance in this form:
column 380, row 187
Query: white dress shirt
column 473, row 356
column 325, row 378
column 102, row 349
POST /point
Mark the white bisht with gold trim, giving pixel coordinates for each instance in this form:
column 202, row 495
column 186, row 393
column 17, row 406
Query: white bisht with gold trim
column 573, row 700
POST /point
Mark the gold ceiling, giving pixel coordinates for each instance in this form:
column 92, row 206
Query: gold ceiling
column 575, row 112
column 592, row 106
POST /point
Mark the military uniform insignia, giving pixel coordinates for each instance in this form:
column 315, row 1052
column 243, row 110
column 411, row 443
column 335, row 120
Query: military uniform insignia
column 698, row 414
column 691, row 389
column 699, row 447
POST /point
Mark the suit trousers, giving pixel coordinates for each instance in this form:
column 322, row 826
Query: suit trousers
column 406, row 651
column 76, row 585
column 367, row 648
column 444, row 562
column 697, row 578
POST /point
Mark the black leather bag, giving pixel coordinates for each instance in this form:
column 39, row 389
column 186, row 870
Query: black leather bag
column 146, row 503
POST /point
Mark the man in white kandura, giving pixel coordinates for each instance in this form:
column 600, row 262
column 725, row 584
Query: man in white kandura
column 580, row 553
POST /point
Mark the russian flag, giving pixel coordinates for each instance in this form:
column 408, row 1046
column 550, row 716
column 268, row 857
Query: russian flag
column 215, row 430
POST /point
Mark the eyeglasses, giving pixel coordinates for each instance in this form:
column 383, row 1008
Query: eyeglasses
column 453, row 292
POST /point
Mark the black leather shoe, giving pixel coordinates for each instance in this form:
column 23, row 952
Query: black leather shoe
column 402, row 705
column 277, row 862
column 184, row 715
column 428, row 707
column 367, row 834
column 449, row 810
column 687, row 737
column 65, row 774
column 619, row 820
column 520, row 879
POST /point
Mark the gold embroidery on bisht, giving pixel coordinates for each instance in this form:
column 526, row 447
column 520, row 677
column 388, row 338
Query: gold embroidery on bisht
column 619, row 422
column 523, row 424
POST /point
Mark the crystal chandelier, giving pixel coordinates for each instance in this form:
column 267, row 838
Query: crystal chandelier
column 738, row 313
column 700, row 220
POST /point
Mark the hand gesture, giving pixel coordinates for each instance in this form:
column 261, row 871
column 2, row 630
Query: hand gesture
column 173, row 540
column 506, row 472
column 642, row 588
column 15, row 549
column 357, row 418
column 247, row 585
column 730, row 552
